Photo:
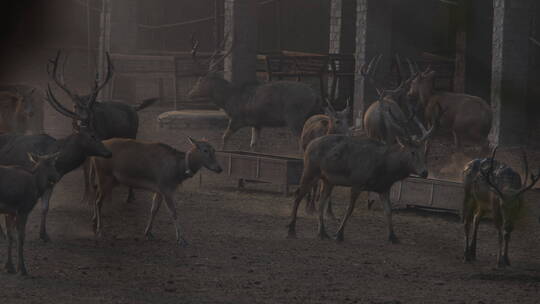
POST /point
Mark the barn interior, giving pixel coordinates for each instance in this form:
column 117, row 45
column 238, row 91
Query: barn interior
column 486, row 48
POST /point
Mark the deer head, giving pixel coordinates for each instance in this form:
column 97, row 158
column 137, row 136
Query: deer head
column 210, row 85
column 511, row 197
column 82, row 113
column 339, row 120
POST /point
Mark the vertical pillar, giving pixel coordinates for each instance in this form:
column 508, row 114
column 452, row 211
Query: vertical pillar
column 335, row 26
column 511, row 28
column 373, row 37
column 241, row 32
column 123, row 25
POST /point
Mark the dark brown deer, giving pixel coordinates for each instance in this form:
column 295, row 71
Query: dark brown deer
column 152, row 166
column 332, row 122
column 20, row 190
column 493, row 187
column 467, row 118
column 73, row 151
column 275, row 104
column 108, row 119
column 361, row 164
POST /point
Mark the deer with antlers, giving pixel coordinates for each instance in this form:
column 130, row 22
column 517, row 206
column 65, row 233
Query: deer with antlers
column 467, row 118
column 275, row 104
column 332, row 122
column 361, row 164
column 108, row 119
column 492, row 186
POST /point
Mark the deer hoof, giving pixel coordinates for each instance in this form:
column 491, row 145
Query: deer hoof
column 339, row 237
column 150, row 236
column 23, row 273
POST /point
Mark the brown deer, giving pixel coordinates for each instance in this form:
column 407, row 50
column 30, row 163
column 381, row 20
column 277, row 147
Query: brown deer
column 275, row 104
column 152, row 166
column 492, row 186
column 361, row 164
column 332, row 122
column 20, row 189
column 108, row 119
column 467, row 118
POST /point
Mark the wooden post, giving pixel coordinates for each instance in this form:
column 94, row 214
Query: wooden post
column 461, row 47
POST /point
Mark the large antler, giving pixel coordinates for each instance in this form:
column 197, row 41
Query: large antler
column 97, row 86
column 214, row 63
column 58, row 106
column 194, row 48
column 369, row 72
column 53, row 73
column 534, row 178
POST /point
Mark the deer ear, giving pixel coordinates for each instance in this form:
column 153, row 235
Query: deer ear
column 33, row 158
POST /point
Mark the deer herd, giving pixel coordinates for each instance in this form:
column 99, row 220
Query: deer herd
column 397, row 129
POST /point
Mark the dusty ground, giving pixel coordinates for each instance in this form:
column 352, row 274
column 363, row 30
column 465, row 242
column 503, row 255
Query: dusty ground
column 238, row 253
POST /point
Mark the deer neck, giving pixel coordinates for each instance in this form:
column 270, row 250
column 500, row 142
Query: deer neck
column 40, row 178
column 71, row 155
column 397, row 164
column 192, row 162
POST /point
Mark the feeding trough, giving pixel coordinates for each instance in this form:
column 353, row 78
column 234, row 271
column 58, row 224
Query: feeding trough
column 263, row 168
column 426, row 193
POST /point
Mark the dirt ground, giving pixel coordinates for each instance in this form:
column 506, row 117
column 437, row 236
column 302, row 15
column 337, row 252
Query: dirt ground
column 239, row 252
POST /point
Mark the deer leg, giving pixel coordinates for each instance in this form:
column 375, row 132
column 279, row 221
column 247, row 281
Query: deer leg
column 156, row 203
column 255, row 134
column 2, row 234
column 104, row 191
column 329, row 211
column 21, row 233
column 313, row 195
column 88, row 180
column 467, row 218
column 325, row 197
column 300, row 194
column 10, row 222
column 506, row 241
column 172, row 209
column 472, row 245
column 385, row 198
column 45, row 198
column 131, row 196
column 231, row 129
column 355, row 192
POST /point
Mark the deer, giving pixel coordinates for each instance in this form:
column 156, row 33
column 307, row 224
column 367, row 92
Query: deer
column 20, row 189
column 156, row 167
column 73, row 151
column 377, row 122
column 274, row 104
column 362, row 164
column 467, row 118
column 332, row 122
column 108, row 119
column 493, row 186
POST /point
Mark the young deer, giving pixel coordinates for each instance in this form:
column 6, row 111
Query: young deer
column 492, row 186
column 20, row 190
column 152, row 166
